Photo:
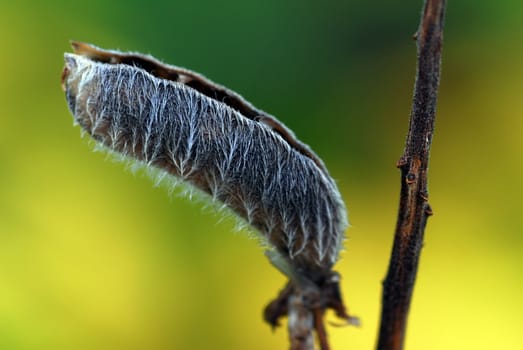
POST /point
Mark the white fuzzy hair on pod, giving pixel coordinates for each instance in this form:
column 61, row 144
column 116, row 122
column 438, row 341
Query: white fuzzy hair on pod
column 179, row 122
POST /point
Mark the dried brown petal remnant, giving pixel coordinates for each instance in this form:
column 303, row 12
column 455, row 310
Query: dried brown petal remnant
column 178, row 121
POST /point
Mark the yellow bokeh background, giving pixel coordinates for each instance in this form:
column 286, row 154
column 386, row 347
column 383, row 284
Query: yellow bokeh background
column 93, row 256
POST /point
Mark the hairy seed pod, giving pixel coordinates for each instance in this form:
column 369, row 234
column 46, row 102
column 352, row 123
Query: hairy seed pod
column 178, row 121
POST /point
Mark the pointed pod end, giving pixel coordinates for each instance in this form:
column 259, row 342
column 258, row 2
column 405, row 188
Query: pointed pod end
column 81, row 48
column 91, row 51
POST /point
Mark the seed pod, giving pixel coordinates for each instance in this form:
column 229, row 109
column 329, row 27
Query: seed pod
column 178, row 121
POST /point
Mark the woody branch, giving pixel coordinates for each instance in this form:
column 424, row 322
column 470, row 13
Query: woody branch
column 414, row 208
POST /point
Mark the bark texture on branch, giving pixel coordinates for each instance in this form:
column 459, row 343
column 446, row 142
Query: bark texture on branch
column 414, row 208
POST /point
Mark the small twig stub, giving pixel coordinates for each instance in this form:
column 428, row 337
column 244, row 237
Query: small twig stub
column 177, row 121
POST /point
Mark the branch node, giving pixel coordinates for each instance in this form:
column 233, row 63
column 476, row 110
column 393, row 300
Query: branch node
column 410, row 178
column 401, row 162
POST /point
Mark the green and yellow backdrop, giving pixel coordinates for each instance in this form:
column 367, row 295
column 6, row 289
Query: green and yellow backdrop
column 95, row 257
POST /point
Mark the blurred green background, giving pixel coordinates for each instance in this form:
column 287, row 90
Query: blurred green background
column 92, row 256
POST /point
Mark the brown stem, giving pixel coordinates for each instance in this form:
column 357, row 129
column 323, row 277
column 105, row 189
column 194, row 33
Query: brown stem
column 320, row 329
column 414, row 208
column 301, row 323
